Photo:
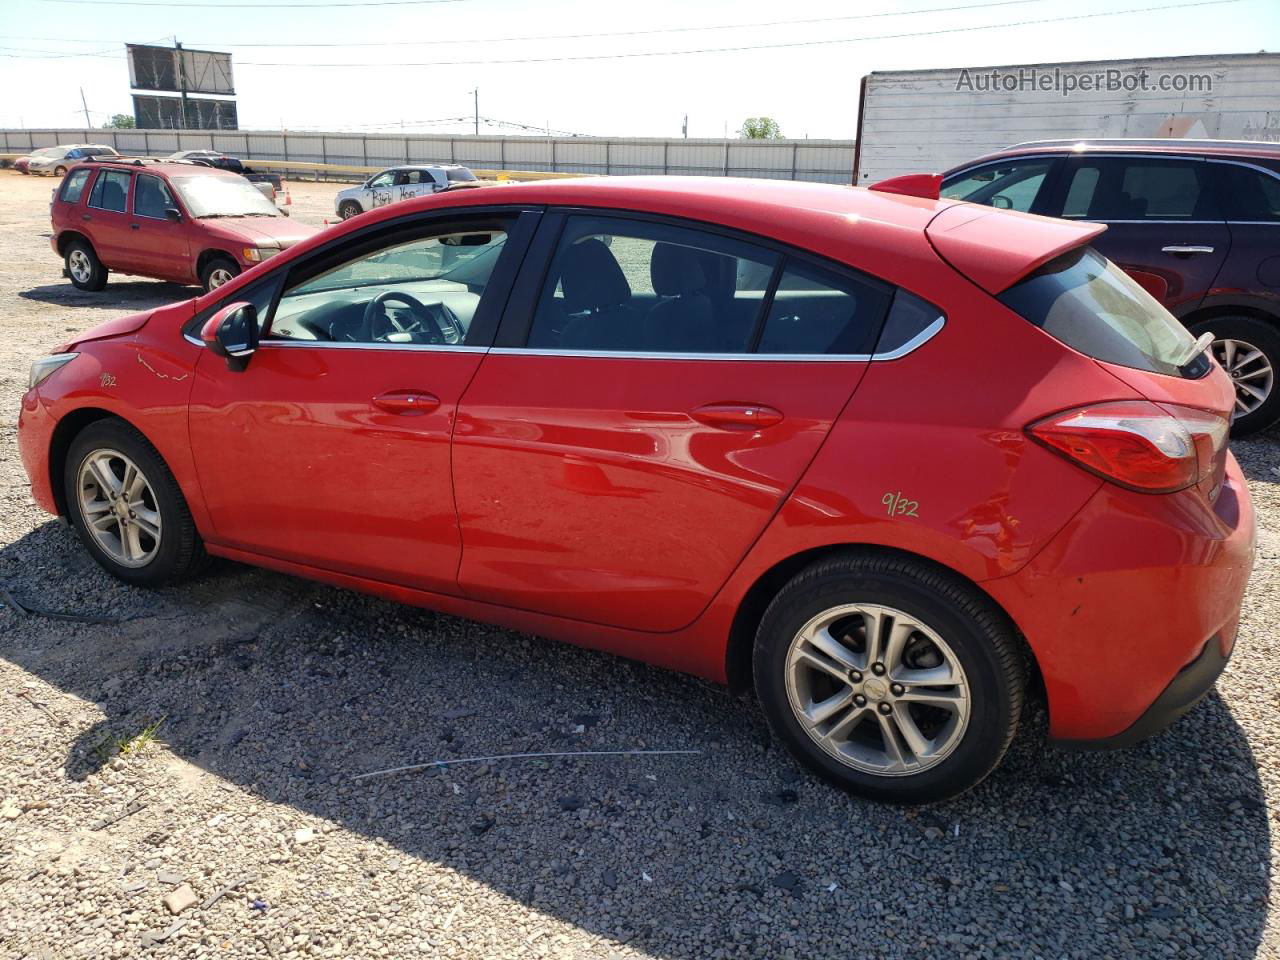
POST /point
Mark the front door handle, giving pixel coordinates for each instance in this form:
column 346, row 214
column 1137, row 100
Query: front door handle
column 406, row 402
column 86, row 216
column 1185, row 249
column 737, row 416
column 134, row 226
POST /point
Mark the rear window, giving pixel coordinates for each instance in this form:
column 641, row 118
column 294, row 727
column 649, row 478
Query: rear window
column 1091, row 305
column 73, row 186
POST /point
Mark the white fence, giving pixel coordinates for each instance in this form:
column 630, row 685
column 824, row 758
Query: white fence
column 829, row 161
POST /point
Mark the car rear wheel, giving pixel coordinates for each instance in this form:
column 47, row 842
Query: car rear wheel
column 218, row 271
column 1249, row 350
column 127, row 508
column 889, row 677
column 348, row 209
column 84, row 269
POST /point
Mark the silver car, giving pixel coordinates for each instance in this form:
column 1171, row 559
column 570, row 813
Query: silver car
column 57, row 160
column 401, row 183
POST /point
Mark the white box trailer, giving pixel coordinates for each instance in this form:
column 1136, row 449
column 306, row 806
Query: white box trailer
column 927, row 121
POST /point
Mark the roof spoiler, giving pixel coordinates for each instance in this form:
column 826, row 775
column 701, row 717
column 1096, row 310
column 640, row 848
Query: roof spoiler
column 925, row 185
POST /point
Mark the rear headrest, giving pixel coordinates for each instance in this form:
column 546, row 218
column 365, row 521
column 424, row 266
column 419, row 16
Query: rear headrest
column 676, row 270
column 591, row 278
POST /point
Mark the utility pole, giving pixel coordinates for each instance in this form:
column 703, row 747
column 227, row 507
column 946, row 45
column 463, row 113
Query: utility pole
column 684, row 130
column 182, row 80
column 86, row 109
column 476, row 95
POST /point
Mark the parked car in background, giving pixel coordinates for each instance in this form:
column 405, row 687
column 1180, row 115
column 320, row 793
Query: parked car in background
column 1196, row 222
column 880, row 456
column 58, row 160
column 23, row 164
column 401, row 183
column 271, row 185
column 173, row 221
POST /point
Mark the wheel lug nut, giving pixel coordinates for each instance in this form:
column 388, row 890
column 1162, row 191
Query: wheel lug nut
column 878, row 669
column 860, row 700
column 884, row 708
column 898, row 689
column 855, row 676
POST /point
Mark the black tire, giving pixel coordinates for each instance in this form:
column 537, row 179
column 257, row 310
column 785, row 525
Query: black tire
column 79, row 256
column 979, row 636
column 179, row 552
column 211, row 271
column 348, row 209
column 1263, row 335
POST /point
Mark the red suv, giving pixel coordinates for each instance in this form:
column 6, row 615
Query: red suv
column 173, row 221
column 885, row 458
column 1196, row 222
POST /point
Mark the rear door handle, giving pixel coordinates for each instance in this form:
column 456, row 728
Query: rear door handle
column 737, row 416
column 406, row 401
column 134, row 226
column 1185, row 250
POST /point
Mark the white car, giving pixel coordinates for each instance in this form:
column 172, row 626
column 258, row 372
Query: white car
column 57, row 160
column 401, row 183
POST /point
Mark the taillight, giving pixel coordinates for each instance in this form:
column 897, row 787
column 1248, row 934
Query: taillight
column 1137, row 444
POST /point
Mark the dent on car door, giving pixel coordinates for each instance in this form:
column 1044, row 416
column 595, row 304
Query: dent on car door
column 331, row 448
column 645, row 412
column 1164, row 224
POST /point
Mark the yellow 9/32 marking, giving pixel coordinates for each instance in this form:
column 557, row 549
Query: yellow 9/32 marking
column 899, row 506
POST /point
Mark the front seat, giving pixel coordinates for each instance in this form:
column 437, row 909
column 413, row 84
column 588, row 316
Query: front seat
column 684, row 320
column 597, row 298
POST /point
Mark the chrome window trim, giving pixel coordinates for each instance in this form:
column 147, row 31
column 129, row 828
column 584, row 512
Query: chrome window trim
column 336, row 345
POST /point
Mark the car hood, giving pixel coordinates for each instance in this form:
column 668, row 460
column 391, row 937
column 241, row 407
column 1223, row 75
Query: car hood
column 351, row 191
column 118, row 327
column 281, row 232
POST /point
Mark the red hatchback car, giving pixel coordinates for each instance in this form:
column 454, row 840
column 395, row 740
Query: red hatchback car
column 173, row 221
column 888, row 459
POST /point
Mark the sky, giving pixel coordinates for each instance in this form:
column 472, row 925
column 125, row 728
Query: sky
column 385, row 63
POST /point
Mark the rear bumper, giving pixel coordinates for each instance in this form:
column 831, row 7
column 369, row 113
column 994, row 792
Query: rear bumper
column 1118, row 606
column 1184, row 691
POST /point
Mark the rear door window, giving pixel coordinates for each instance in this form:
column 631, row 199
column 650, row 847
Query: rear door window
column 73, row 186
column 817, row 311
column 1118, row 189
column 1091, row 305
column 1249, row 195
column 110, row 191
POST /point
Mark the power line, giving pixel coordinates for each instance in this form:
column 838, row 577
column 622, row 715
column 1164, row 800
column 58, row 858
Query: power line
column 702, row 50
column 595, row 36
column 738, row 49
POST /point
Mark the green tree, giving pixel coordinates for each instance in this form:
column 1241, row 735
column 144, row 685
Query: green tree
column 760, row 128
column 121, row 121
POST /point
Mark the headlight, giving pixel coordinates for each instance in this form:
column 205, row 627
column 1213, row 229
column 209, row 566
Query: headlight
column 258, row 254
column 44, row 368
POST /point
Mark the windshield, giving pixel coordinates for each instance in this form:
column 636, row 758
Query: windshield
column 1091, row 305
column 49, row 152
column 100, row 149
column 212, row 196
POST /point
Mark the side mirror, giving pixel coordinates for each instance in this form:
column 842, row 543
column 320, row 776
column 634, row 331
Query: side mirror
column 232, row 333
column 172, row 214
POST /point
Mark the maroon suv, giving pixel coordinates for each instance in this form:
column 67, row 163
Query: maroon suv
column 171, row 220
column 1196, row 222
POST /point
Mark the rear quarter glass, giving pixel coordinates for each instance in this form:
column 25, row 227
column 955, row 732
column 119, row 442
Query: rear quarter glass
column 1085, row 301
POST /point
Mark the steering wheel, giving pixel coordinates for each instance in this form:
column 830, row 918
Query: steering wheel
column 424, row 320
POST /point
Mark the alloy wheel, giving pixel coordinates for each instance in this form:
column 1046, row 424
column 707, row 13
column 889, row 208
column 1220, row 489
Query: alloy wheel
column 877, row 689
column 119, row 507
column 1250, row 372
column 218, row 276
column 79, row 265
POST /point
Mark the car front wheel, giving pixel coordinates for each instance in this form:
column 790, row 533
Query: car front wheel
column 127, row 508
column 889, row 677
column 348, row 209
column 1249, row 350
column 218, row 271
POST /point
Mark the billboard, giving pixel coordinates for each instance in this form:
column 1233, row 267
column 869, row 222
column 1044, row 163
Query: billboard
column 165, row 113
column 175, row 69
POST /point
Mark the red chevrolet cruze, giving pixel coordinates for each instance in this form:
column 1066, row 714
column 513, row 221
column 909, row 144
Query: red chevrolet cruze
column 891, row 460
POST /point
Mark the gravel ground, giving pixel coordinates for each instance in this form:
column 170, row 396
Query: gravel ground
column 270, row 693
